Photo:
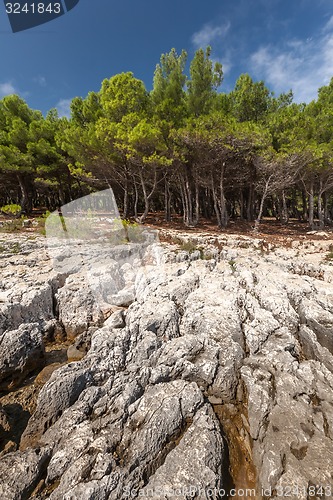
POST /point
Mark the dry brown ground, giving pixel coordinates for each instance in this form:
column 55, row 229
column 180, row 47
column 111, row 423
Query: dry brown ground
column 270, row 229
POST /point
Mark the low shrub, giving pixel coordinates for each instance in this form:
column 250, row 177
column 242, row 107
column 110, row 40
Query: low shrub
column 12, row 209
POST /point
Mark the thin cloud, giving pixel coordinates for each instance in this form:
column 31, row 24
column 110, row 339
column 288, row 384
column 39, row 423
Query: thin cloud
column 225, row 61
column 41, row 80
column 63, row 107
column 209, row 34
column 302, row 65
column 329, row 25
column 7, row 88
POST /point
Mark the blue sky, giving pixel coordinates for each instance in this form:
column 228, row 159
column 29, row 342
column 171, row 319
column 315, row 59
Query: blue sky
column 287, row 43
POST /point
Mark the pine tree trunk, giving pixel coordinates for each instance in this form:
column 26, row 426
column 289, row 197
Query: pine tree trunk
column 320, row 207
column 223, row 203
column 284, row 211
column 136, row 200
column 304, row 206
column 167, row 201
column 327, row 218
column 125, row 200
column 261, row 208
column 311, row 206
column 188, row 195
column 62, row 197
column 145, row 198
column 215, row 202
column 197, row 204
column 184, row 202
column 25, row 201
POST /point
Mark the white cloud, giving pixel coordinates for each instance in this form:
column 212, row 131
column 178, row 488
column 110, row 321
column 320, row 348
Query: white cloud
column 209, row 34
column 225, row 61
column 63, row 107
column 7, row 88
column 212, row 35
column 300, row 65
column 329, row 25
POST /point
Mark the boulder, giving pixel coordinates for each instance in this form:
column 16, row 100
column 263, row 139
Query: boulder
column 22, row 351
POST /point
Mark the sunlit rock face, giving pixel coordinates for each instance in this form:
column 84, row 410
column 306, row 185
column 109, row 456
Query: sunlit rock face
column 210, row 370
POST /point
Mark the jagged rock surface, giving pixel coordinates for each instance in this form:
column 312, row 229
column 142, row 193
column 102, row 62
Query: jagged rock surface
column 249, row 331
column 21, row 351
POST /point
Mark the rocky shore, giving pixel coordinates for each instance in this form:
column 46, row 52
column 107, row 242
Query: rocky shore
column 209, row 372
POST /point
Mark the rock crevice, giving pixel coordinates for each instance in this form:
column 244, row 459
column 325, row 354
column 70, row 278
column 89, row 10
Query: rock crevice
column 212, row 362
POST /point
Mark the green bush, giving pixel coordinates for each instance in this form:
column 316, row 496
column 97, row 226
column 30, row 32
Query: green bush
column 127, row 223
column 133, row 231
column 12, row 209
column 189, row 247
column 45, row 214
